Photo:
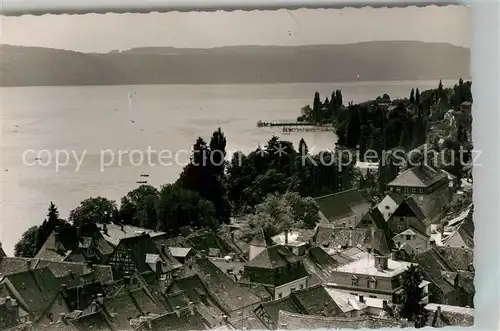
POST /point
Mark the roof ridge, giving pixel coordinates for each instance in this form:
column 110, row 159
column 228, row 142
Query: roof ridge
column 336, row 193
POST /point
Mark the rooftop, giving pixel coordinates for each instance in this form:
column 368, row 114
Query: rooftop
column 295, row 237
column 366, row 266
column 294, row 321
column 114, row 233
column 339, row 205
column 420, row 176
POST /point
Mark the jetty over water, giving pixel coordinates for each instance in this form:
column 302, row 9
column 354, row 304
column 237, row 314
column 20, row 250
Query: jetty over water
column 262, row 124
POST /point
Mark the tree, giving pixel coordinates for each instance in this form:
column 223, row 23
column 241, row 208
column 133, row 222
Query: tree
column 412, row 294
column 279, row 212
column 412, row 96
column 137, row 207
column 97, row 210
column 218, row 152
column 49, row 225
column 178, row 207
column 27, row 245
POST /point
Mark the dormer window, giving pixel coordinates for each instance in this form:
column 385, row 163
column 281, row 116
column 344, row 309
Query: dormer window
column 354, row 280
column 372, row 283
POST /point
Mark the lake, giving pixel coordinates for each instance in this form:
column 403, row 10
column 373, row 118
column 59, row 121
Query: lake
column 92, row 119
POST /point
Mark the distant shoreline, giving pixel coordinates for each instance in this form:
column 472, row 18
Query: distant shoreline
column 249, row 83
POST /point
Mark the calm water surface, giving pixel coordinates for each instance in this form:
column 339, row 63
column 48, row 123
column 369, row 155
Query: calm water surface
column 167, row 117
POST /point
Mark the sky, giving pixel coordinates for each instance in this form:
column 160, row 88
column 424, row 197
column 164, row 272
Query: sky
column 105, row 32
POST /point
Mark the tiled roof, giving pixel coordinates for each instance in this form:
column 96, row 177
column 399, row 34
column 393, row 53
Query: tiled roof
column 340, row 238
column 273, row 257
column 121, row 308
column 221, row 286
column 339, row 205
column 2, row 252
column 466, row 230
column 8, row 317
column 96, row 321
column 114, row 233
column 375, row 217
column 457, row 257
column 273, row 308
column 81, row 296
column 396, row 197
column 179, row 251
column 420, row 176
column 316, row 300
column 293, row 321
column 366, row 266
column 449, row 315
column 345, row 301
column 294, row 236
column 35, row 289
column 186, row 320
column 73, row 239
column 259, row 239
column 60, row 269
column 432, row 266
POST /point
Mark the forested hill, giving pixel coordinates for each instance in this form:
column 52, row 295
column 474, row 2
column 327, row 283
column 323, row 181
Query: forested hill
column 372, row 61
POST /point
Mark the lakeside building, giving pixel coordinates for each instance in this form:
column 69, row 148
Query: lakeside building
column 343, row 209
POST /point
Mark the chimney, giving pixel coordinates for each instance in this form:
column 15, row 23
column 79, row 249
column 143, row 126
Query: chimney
column 361, row 299
column 224, row 319
column 381, row 263
column 164, row 249
column 63, row 318
column 121, row 227
column 100, row 299
column 384, row 304
column 350, row 237
column 105, row 229
column 438, row 312
column 64, row 290
column 191, row 307
column 148, row 322
column 286, row 237
column 432, row 242
column 177, row 311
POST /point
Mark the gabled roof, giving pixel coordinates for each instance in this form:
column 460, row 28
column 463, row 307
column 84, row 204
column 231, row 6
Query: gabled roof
column 259, row 239
column 315, row 300
column 339, row 205
column 60, row 269
column 465, row 230
column 433, row 267
column 420, row 176
column 224, row 289
column 180, row 252
column 457, row 257
column 113, row 233
column 273, row 257
column 74, row 239
column 35, row 290
column 396, row 197
column 81, row 296
column 186, row 320
column 143, row 250
column 375, row 217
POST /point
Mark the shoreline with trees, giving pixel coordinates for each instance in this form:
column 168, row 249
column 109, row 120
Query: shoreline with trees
column 214, row 187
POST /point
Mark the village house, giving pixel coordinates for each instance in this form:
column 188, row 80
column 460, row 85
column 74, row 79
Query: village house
column 448, row 285
column 373, row 276
column 389, row 204
column 297, row 240
column 431, row 188
column 37, row 294
column 409, row 215
column 278, row 269
column 413, row 241
column 76, row 244
column 461, row 234
column 139, row 253
column 113, row 233
column 335, row 240
column 343, row 209
column 214, row 290
column 313, row 300
column 66, row 272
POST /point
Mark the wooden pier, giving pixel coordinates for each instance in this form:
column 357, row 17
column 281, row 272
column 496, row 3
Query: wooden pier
column 262, row 124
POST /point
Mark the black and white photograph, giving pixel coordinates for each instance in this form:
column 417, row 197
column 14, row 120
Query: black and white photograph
column 237, row 170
